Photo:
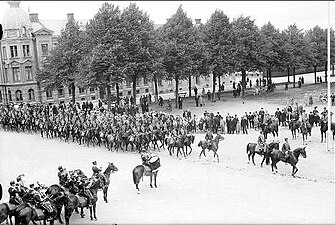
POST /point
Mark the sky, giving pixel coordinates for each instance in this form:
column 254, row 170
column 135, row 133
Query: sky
column 305, row 14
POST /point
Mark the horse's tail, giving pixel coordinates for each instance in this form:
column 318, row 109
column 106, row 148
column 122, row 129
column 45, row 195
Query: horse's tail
column 134, row 176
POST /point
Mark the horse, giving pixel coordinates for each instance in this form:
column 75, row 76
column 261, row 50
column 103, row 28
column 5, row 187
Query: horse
column 175, row 142
column 270, row 128
column 324, row 128
column 111, row 168
column 24, row 213
column 213, row 146
column 305, row 129
column 294, row 125
column 277, row 155
column 188, row 141
column 251, row 151
column 145, row 170
column 7, row 212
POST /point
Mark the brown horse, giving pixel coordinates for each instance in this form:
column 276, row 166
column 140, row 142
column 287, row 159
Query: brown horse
column 188, row 141
column 145, row 170
column 212, row 146
column 7, row 212
column 294, row 126
column 251, row 151
column 277, row 155
column 111, row 168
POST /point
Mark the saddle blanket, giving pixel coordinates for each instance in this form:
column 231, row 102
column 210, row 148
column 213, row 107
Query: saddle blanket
column 40, row 214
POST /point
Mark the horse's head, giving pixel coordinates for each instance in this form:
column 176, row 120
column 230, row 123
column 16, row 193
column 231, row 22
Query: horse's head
column 200, row 144
column 111, row 167
column 303, row 151
column 219, row 137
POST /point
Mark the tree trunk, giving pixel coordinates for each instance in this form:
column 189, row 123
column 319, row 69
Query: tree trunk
column 214, row 81
column 219, row 81
column 267, row 76
column 156, row 89
column 243, row 81
column 108, row 96
column 314, row 73
column 117, row 87
column 326, row 70
column 189, row 86
column 270, row 76
column 332, row 70
column 177, row 90
column 73, row 93
column 293, row 76
column 134, row 88
column 288, row 74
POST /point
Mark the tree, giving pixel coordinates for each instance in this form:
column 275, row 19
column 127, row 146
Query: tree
column 104, row 54
column 271, row 48
column 296, row 47
column 218, row 40
column 246, row 46
column 61, row 67
column 138, row 43
column 179, row 44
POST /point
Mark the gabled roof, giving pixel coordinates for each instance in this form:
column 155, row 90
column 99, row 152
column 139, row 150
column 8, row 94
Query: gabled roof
column 44, row 31
column 58, row 25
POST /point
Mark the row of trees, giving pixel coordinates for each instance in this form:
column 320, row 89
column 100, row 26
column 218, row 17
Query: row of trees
column 117, row 46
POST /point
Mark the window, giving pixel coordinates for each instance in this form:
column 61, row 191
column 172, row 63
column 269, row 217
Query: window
column 26, row 50
column 129, row 92
column 13, row 51
column 10, row 95
column 137, row 91
column 70, row 91
column 61, row 92
column 169, row 82
column 49, row 93
column 31, row 95
column 197, row 80
column 18, row 95
column 0, row 96
column 82, row 99
column 146, row 90
column 16, row 74
column 44, row 49
column 24, row 31
column 6, row 76
column 92, row 90
column 145, row 80
column 128, row 83
column 160, row 83
column 93, row 98
column 4, row 53
column 29, row 73
column 81, row 90
column 137, row 82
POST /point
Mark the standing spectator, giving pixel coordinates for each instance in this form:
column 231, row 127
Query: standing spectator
column 209, row 95
column 196, row 100
column 228, row 123
column 311, row 118
column 310, row 102
column 180, row 102
column 244, row 124
column 278, row 115
column 195, row 91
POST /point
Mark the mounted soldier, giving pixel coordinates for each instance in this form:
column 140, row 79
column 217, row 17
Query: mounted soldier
column 151, row 160
column 261, row 142
column 14, row 194
column 62, row 175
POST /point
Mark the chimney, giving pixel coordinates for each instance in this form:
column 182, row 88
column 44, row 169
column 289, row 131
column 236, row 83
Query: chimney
column 197, row 21
column 33, row 17
column 70, row 16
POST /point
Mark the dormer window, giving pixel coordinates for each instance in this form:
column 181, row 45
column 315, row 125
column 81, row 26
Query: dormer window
column 24, row 31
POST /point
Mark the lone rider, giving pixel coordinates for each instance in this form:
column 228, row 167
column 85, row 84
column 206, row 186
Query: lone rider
column 261, row 142
column 62, row 175
column 95, row 169
column 286, row 148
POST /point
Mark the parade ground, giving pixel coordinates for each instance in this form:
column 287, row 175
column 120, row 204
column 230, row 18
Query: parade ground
column 191, row 190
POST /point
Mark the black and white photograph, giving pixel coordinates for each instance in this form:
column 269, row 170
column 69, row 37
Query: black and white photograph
column 167, row 112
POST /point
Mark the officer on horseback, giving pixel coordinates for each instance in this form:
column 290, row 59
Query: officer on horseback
column 14, row 193
column 261, row 142
column 286, row 148
column 95, row 169
column 62, row 175
column 209, row 138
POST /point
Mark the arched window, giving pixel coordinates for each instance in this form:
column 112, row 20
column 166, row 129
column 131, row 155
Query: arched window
column 24, row 31
column 10, row 95
column 61, row 92
column 18, row 95
column 31, row 95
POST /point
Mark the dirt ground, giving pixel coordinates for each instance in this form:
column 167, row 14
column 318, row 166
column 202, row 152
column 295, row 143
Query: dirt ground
column 192, row 190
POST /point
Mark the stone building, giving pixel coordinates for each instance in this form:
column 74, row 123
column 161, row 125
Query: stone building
column 27, row 40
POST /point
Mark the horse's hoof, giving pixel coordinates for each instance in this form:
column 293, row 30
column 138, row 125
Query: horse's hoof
column 91, row 218
column 95, row 218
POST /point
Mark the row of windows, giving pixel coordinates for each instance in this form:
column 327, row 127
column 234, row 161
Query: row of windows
column 16, row 72
column 18, row 95
column 26, row 51
column 61, row 93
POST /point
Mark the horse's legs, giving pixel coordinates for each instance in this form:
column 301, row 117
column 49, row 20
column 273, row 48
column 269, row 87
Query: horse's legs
column 263, row 160
column 202, row 152
column 91, row 212
column 155, row 176
column 94, row 211
column 294, row 170
column 217, row 155
column 151, row 180
column 253, row 158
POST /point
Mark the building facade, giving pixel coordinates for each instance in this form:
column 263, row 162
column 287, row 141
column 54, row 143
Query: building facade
column 27, row 40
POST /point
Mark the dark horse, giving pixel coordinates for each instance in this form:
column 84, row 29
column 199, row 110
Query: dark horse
column 270, row 128
column 7, row 211
column 294, row 126
column 213, row 146
column 188, row 141
column 305, row 129
column 251, row 151
column 324, row 128
column 277, row 156
column 145, row 170
column 111, row 168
